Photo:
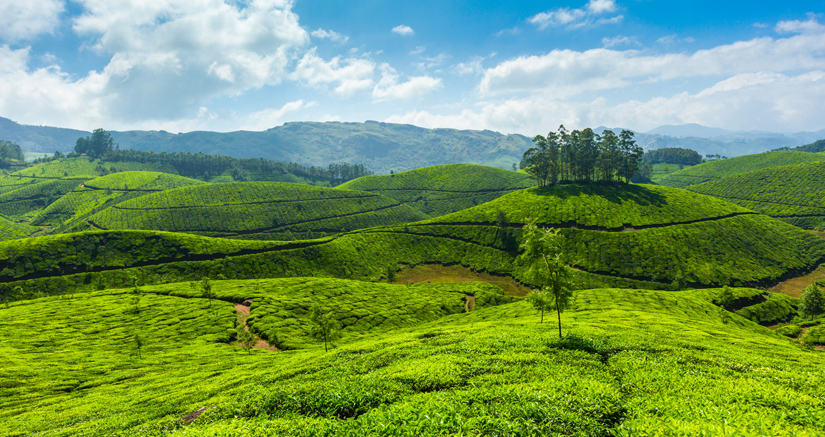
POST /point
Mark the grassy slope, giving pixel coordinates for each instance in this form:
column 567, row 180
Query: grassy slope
column 265, row 210
column 443, row 189
column 10, row 230
column 793, row 193
column 105, row 191
column 727, row 167
column 29, row 199
column 639, row 363
column 663, row 244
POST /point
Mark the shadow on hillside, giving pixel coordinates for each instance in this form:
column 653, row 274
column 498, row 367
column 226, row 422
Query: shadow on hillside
column 615, row 193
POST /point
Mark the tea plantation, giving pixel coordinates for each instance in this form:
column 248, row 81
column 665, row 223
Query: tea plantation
column 443, row 189
column 103, row 192
column 792, row 193
column 258, row 210
column 713, row 170
column 131, row 299
column 632, row 362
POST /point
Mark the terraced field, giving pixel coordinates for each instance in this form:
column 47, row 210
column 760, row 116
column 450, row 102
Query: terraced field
column 10, row 230
column 792, row 193
column 85, row 166
column 634, row 362
column 30, row 198
column 643, row 236
column 718, row 169
column 443, row 189
column 100, row 193
column 255, row 210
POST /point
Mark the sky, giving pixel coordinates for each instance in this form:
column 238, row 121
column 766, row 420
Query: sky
column 513, row 67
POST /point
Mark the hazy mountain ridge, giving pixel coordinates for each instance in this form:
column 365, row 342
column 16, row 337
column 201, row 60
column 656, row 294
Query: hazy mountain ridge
column 386, row 146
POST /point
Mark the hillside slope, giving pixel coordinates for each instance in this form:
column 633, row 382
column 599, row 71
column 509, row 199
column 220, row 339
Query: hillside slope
column 99, row 193
column 713, row 170
column 633, row 362
column 792, row 193
column 638, row 236
column 258, row 210
column 443, row 189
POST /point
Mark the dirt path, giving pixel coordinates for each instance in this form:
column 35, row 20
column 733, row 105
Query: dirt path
column 795, row 286
column 243, row 310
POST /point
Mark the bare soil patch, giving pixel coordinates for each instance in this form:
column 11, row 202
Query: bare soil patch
column 818, row 233
column 795, row 286
column 243, row 310
column 430, row 273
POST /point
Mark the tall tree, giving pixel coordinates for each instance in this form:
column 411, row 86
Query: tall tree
column 322, row 326
column 813, row 301
column 542, row 254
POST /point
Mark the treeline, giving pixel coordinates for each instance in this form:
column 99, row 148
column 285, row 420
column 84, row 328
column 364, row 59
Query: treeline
column 584, row 157
column 205, row 167
column 815, row 147
column 10, row 151
column 673, row 155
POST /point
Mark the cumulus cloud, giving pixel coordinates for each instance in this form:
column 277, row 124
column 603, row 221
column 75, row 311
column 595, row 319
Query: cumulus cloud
column 389, row 88
column 810, row 26
column 403, row 30
column 418, row 50
column 619, row 40
column 587, row 15
column 269, row 118
column 346, row 76
column 564, row 73
column 764, row 101
column 23, row 20
column 331, row 35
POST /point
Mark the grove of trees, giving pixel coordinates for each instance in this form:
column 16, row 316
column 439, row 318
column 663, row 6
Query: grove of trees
column 673, row 155
column 9, row 152
column 582, row 157
column 97, row 145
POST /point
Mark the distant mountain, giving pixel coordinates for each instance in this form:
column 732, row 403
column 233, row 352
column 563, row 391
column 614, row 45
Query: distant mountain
column 380, row 146
column 385, row 146
column 689, row 130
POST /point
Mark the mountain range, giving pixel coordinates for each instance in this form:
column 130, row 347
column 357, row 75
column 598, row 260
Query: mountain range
column 385, row 147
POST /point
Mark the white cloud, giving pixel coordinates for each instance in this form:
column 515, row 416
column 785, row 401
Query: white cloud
column 563, row 73
column 619, row 40
column 508, row 32
column 471, row 67
column 811, row 26
column 748, row 101
column 418, row 50
column 22, row 20
column 269, row 118
column 575, row 18
column 348, row 76
column 403, row 30
column 332, row 35
column 432, row 61
column 673, row 39
column 389, row 88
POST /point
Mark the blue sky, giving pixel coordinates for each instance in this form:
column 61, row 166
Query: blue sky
column 518, row 67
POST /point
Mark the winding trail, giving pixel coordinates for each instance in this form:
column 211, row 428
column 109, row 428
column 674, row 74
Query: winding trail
column 243, row 310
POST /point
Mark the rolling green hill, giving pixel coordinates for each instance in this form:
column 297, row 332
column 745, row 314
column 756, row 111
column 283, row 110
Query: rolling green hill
column 634, row 362
column 30, row 198
column 257, row 210
column 631, row 236
column 792, row 193
column 713, row 170
column 105, row 191
column 10, row 230
column 443, row 189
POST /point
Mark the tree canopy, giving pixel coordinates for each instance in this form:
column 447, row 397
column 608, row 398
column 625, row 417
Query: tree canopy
column 98, row 144
column 10, row 150
column 673, row 155
column 582, row 156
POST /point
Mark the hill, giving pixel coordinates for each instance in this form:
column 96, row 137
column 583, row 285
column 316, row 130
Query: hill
column 630, row 236
column 717, row 169
column 100, row 193
column 258, row 210
column 380, row 146
column 30, row 198
column 443, row 189
column 10, row 230
column 791, row 193
column 634, row 361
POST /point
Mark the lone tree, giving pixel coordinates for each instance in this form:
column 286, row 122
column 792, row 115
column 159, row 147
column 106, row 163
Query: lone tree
column 245, row 337
column 137, row 346
column 542, row 256
column 323, row 326
column 813, row 301
column 97, row 145
column 206, row 290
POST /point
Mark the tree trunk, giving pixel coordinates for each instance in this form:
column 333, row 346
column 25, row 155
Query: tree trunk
column 558, row 311
column 542, row 317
